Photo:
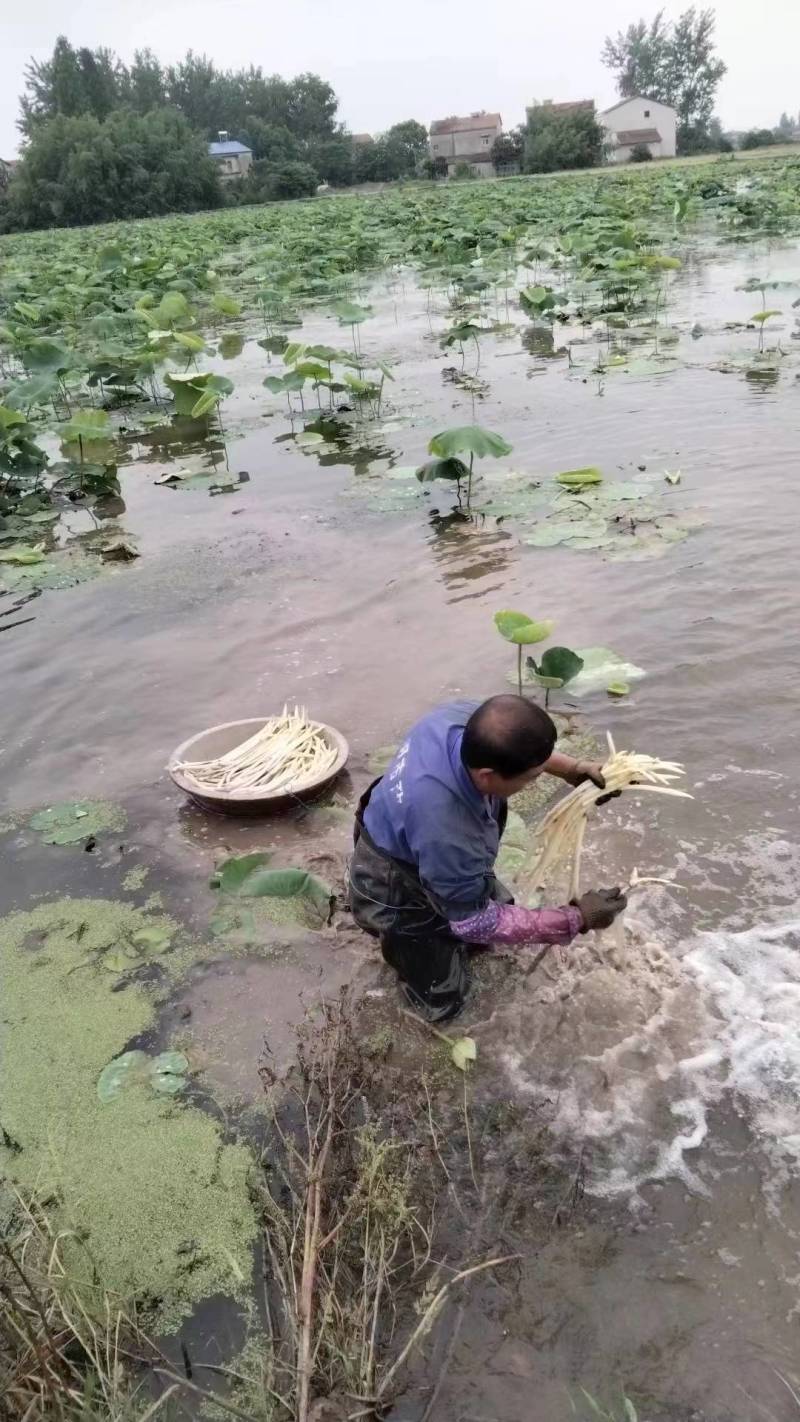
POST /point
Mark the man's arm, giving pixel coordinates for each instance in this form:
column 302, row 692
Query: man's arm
column 575, row 772
column 511, row 924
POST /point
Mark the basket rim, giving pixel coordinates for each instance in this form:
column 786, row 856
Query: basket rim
column 191, row 787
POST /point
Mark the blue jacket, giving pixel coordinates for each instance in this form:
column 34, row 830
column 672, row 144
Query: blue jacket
column 426, row 812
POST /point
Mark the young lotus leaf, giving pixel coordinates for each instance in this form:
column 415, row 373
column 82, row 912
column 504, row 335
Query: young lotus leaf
column 39, row 390
column 86, row 425
column 442, row 469
column 463, row 1052
column 226, row 304
column 519, row 628
column 47, row 357
column 618, row 688
column 560, row 664
column 579, row 478
column 468, row 439
column 187, row 339
column 350, row 314
column 172, row 307
column 230, row 876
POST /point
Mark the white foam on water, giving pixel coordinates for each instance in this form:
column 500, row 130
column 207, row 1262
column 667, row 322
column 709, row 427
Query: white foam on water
column 626, row 1047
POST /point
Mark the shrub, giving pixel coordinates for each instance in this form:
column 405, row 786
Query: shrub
column 640, row 153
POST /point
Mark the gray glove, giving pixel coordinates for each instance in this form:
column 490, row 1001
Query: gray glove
column 600, row 907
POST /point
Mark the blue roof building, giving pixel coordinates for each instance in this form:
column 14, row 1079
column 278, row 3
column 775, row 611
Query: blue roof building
column 233, row 159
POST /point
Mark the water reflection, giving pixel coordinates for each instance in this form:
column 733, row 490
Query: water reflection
column 339, row 442
column 540, row 341
column 231, row 345
column 175, row 439
column 468, row 548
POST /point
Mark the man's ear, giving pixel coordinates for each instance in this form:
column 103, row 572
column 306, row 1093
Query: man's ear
column 483, row 779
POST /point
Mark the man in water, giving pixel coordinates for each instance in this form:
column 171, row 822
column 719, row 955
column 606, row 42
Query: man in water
column 427, row 836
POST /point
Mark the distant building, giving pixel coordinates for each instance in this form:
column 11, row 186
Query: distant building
column 565, row 110
column 8, row 167
column 361, row 139
column 637, row 122
column 466, row 140
column 233, row 159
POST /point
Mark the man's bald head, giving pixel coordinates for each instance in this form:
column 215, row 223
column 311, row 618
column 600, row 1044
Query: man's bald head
column 509, row 736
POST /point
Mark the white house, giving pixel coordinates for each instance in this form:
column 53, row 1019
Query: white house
column 466, row 140
column 233, row 159
column 637, row 121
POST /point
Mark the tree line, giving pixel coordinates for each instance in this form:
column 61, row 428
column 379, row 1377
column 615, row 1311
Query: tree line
column 103, row 139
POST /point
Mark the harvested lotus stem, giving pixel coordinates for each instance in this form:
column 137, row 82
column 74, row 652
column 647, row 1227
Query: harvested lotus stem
column 288, row 753
column 559, row 837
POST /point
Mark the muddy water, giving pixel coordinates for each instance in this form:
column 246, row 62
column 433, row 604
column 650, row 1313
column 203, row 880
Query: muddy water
column 663, row 1059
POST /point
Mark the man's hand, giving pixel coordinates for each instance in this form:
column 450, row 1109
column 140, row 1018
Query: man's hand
column 583, row 770
column 592, row 770
column 577, row 772
column 600, row 907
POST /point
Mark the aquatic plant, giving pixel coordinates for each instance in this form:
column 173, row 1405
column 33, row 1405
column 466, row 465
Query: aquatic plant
column 448, row 445
column 521, row 630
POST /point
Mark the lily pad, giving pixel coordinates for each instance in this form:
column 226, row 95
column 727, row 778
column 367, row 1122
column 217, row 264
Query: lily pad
column 76, row 820
column 123, row 1071
column 21, row 554
column 618, row 688
column 579, row 478
column 247, row 877
column 152, row 940
column 233, row 873
column 164, row 1074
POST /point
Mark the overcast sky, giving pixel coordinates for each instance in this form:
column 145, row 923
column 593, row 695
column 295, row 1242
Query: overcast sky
column 414, row 59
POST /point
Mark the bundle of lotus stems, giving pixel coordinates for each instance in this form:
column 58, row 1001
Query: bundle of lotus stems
column 287, row 754
column 559, row 837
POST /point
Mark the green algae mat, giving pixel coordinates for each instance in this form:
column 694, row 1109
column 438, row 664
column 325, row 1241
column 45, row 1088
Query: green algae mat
column 154, row 1202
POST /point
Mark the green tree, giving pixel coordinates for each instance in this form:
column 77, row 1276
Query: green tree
column 673, row 63
column 80, row 169
column 786, row 127
column 290, row 180
column 333, row 159
column 70, row 82
column 758, row 138
column 554, row 141
column 408, row 143
column 272, row 141
column 312, row 105
column 508, row 149
column 378, row 162
column 145, row 83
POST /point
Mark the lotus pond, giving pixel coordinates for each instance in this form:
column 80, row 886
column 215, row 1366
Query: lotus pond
column 306, row 452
